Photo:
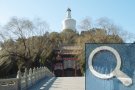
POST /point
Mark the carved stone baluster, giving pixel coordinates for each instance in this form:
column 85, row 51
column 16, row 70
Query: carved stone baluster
column 37, row 74
column 19, row 79
column 30, row 76
column 26, row 78
column 44, row 71
column 34, row 75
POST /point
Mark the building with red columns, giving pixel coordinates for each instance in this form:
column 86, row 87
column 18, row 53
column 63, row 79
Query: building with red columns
column 66, row 63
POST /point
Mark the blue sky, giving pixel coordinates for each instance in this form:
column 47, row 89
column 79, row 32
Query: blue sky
column 121, row 12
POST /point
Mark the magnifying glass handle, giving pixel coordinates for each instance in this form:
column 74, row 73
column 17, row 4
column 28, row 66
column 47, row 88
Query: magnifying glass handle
column 126, row 80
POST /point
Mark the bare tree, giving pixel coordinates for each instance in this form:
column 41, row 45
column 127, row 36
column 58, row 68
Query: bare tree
column 115, row 30
column 30, row 42
column 108, row 25
column 86, row 24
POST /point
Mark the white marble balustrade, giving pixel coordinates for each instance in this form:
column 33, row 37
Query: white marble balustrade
column 26, row 79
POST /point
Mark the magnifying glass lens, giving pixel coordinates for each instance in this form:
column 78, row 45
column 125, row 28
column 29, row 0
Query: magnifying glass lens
column 104, row 62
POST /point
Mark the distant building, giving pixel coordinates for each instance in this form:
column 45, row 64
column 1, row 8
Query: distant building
column 66, row 62
column 69, row 22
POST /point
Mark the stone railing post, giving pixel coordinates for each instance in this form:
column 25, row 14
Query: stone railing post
column 30, row 77
column 34, row 75
column 26, row 78
column 43, row 72
column 46, row 71
column 37, row 74
column 19, row 79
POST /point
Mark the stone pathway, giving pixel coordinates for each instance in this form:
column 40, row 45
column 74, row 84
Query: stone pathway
column 61, row 83
column 68, row 83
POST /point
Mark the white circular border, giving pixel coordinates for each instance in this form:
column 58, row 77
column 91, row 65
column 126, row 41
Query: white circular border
column 98, row 49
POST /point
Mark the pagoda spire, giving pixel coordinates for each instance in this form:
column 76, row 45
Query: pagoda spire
column 68, row 13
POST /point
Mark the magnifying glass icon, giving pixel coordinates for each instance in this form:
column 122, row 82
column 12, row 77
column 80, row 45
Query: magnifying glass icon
column 125, row 79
